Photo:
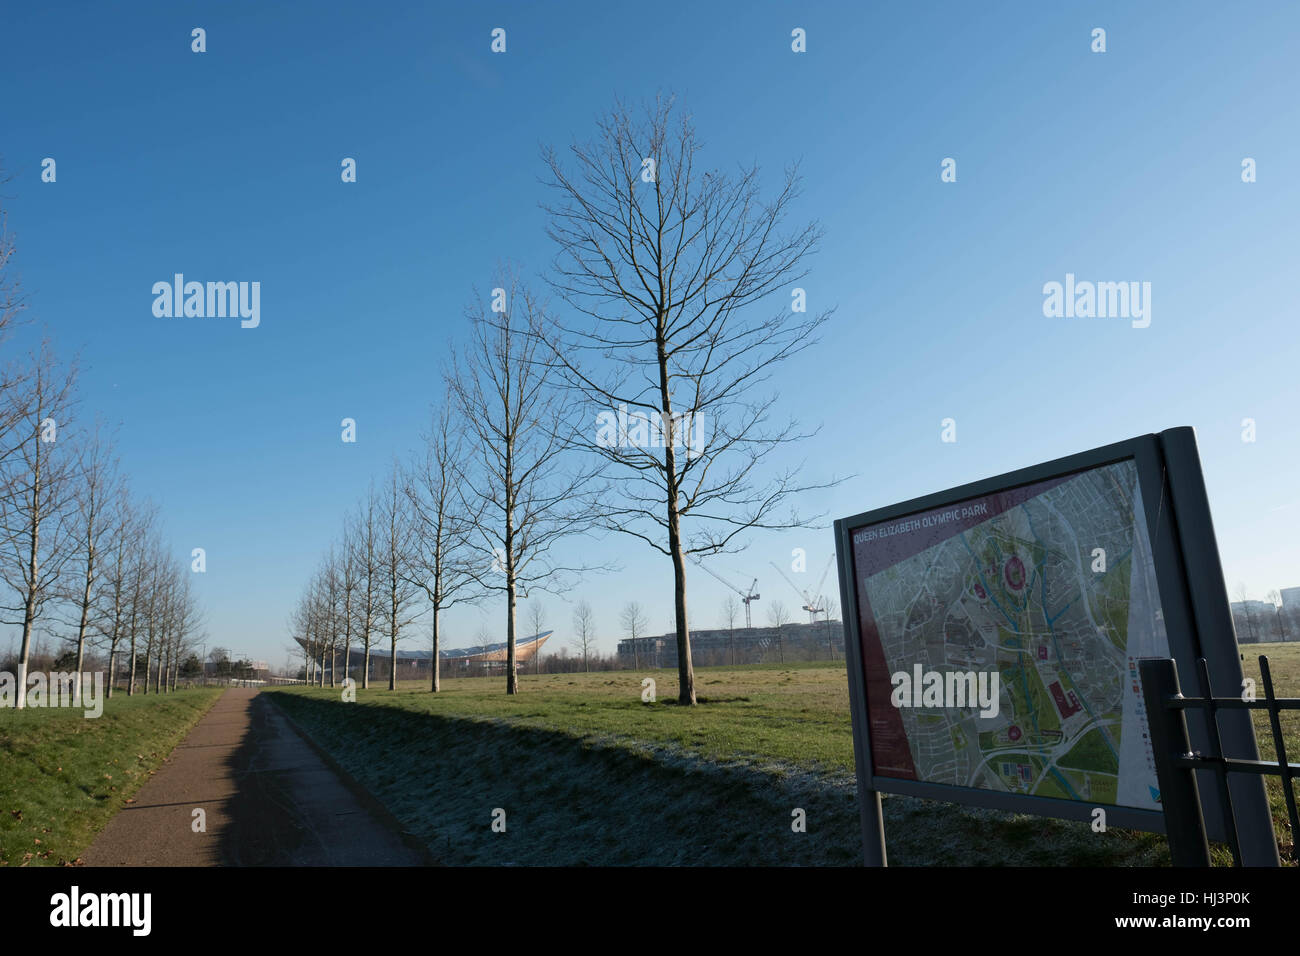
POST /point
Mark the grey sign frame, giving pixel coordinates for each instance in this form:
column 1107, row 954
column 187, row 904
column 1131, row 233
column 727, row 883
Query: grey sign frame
column 1198, row 623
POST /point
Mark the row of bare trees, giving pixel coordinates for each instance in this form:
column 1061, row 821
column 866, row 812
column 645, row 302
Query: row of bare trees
column 477, row 511
column 638, row 409
column 80, row 557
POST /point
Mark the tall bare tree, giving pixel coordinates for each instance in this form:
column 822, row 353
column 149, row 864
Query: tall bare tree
column 830, row 611
column 442, row 561
column 146, row 551
column 1274, row 597
column 396, row 545
column 730, row 612
column 584, row 632
column 523, row 496
column 673, row 275
column 779, row 617
column 95, row 494
column 36, row 505
column 349, row 583
column 634, row 624
column 115, row 585
column 1243, row 598
column 365, row 543
column 537, row 622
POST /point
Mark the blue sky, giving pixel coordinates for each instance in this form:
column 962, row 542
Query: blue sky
column 225, row 166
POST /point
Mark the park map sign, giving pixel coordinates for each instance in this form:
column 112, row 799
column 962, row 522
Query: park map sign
column 1052, row 587
column 993, row 634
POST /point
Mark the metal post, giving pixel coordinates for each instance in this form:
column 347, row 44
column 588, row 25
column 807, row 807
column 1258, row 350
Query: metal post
column 1212, row 616
column 1179, row 797
column 873, row 829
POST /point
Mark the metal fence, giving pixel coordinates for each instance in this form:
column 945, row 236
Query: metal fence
column 1177, row 763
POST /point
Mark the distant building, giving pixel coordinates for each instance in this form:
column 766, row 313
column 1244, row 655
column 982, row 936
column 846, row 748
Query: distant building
column 250, row 669
column 742, row 645
column 483, row 658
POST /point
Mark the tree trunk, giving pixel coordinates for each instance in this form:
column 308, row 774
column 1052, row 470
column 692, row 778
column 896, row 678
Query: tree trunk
column 81, row 642
column 436, row 663
column 512, row 671
column 24, row 657
column 29, row 618
column 392, row 659
column 685, row 670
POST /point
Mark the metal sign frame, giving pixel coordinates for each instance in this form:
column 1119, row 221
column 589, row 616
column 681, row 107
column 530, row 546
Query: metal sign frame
column 1197, row 619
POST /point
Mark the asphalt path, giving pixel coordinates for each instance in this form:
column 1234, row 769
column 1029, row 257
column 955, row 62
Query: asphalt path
column 269, row 798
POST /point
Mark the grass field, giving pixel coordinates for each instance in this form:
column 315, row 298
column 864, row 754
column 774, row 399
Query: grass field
column 62, row 776
column 1284, row 664
column 588, row 773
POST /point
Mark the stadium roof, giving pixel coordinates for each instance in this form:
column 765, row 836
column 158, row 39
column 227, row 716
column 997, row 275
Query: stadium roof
column 458, row 652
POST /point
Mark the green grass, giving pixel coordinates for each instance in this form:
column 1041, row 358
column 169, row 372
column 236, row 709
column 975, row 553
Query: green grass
column 1284, row 664
column 589, row 774
column 63, row 776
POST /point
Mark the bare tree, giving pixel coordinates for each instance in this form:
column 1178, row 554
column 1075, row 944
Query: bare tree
column 730, row 612
column 300, row 626
column 666, row 268
column 634, row 623
column 537, row 621
column 396, row 544
column 115, row 585
column 584, row 632
column 779, row 617
column 1274, row 597
column 141, row 576
column 94, row 495
column 154, row 596
column 349, row 583
column 366, row 551
column 442, row 563
column 523, row 500
column 331, row 596
column 830, row 608
column 36, row 506
column 1243, row 598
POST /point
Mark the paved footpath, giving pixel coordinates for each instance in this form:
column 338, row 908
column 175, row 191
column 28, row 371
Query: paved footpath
column 269, row 798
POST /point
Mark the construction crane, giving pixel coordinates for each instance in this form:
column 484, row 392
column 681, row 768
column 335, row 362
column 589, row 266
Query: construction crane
column 746, row 596
column 813, row 602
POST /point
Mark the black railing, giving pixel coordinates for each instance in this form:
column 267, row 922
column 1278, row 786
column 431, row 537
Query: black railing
column 1177, row 763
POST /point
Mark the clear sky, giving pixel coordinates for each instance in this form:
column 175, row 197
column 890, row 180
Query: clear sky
column 1116, row 166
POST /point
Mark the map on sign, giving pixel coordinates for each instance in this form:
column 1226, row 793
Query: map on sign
column 1049, row 591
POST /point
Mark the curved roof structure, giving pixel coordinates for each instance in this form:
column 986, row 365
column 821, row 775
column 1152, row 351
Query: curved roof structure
column 525, row 648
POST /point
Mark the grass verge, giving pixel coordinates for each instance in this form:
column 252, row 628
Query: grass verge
column 590, row 774
column 63, row 776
